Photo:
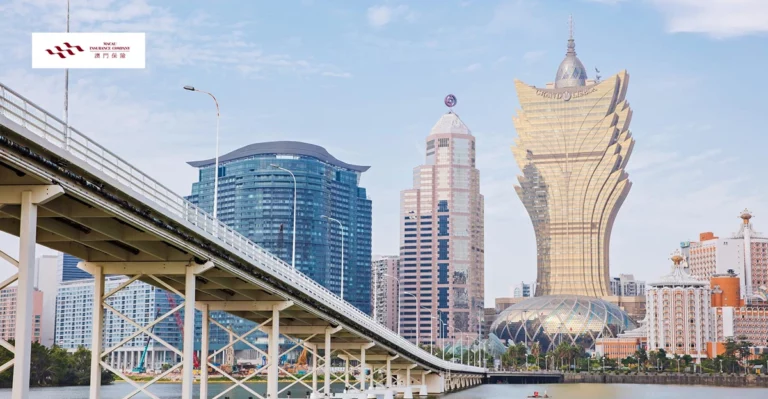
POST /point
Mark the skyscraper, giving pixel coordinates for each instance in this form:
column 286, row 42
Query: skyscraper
column 572, row 147
column 384, row 299
column 441, row 238
column 68, row 270
column 256, row 197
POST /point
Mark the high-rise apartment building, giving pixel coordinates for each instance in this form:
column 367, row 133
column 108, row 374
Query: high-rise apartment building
column 256, row 197
column 384, row 300
column 626, row 285
column 732, row 318
column 441, row 238
column 745, row 252
column 45, row 267
column 678, row 312
column 8, row 314
column 572, row 147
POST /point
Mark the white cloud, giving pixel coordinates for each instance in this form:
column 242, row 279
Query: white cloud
column 533, row 56
column 516, row 14
column 473, row 67
column 717, row 18
column 379, row 16
column 337, row 74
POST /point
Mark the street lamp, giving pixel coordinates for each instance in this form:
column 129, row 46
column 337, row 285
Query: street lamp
column 721, row 366
column 216, row 165
column 341, row 226
column 399, row 297
column 295, row 191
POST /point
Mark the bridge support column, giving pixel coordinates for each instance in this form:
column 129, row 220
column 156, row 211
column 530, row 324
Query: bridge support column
column 361, row 376
column 327, row 366
column 187, row 371
column 28, row 197
column 97, row 332
column 346, row 373
column 204, row 346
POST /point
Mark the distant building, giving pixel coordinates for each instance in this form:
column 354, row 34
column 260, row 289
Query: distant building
column 523, row 290
column 488, row 318
column 8, row 297
column 745, row 252
column 501, row 304
column 46, row 266
column 256, row 199
column 68, row 270
column 626, row 285
column 624, row 345
column 732, row 319
column 678, row 312
column 441, row 238
column 385, row 299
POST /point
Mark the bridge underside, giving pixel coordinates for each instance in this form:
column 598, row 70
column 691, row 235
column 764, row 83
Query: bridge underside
column 71, row 208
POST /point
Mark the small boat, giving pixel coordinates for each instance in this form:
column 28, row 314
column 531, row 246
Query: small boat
column 536, row 395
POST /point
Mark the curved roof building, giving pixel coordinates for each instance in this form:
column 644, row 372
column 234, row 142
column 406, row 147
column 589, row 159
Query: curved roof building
column 572, row 147
column 576, row 320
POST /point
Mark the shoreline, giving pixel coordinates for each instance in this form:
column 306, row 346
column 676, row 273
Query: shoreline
column 716, row 380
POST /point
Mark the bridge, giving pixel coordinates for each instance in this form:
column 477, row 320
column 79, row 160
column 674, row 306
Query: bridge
column 60, row 189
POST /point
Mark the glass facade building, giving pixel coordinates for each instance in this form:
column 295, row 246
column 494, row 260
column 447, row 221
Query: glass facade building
column 572, row 147
column 68, row 269
column 256, row 199
column 550, row 320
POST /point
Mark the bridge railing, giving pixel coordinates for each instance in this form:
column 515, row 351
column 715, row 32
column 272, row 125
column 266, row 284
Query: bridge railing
column 40, row 122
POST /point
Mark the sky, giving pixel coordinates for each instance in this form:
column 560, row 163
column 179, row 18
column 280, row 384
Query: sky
column 366, row 80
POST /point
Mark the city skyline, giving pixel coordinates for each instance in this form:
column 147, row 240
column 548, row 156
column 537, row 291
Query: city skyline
column 679, row 95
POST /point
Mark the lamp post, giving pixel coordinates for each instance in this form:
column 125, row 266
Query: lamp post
column 399, row 295
column 721, row 366
column 678, row 366
column 66, row 96
column 341, row 226
column 293, row 253
column 216, row 165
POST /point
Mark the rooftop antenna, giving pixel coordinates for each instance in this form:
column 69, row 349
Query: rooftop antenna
column 570, row 26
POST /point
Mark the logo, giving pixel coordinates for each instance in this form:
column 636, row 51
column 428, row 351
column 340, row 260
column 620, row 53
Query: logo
column 450, row 101
column 566, row 96
column 60, row 51
column 88, row 50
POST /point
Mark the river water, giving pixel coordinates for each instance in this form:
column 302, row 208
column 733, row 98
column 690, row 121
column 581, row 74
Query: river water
column 499, row 391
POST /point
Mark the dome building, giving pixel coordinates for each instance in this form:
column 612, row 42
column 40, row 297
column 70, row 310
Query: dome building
column 573, row 319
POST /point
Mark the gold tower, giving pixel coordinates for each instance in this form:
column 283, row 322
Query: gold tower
column 572, row 147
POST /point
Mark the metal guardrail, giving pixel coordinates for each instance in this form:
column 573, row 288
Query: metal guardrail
column 40, row 122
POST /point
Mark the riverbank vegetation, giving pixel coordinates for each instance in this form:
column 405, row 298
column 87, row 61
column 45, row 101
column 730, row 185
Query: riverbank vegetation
column 50, row 367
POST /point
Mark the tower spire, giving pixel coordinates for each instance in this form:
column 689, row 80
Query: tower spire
column 571, row 42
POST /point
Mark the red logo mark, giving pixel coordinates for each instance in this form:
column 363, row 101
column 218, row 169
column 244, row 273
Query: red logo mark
column 61, row 52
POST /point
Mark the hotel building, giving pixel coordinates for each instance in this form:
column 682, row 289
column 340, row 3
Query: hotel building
column 678, row 312
column 745, row 252
column 572, row 147
column 441, row 238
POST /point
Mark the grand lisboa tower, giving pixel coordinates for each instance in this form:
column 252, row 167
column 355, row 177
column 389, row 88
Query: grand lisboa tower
column 572, row 147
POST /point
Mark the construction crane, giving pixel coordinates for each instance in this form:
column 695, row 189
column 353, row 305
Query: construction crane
column 140, row 368
column 180, row 325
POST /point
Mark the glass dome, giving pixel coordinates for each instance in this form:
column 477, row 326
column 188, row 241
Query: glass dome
column 550, row 320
